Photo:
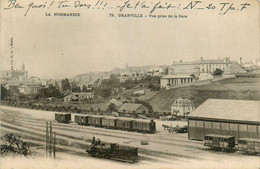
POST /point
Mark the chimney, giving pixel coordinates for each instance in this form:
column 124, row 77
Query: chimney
column 201, row 58
column 241, row 61
column 180, row 60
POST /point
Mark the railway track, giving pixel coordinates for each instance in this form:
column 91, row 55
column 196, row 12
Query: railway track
column 39, row 132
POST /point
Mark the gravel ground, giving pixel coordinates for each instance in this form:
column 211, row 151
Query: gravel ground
column 165, row 150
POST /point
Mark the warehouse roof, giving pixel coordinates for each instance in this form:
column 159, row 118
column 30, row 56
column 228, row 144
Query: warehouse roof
column 130, row 107
column 238, row 110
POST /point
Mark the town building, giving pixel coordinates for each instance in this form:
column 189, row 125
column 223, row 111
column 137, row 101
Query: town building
column 197, row 67
column 175, row 80
column 24, row 86
column 14, row 74
column 29, row 87
column 182, row 107
column 239, row 118
column 133, row 108
column 78, row 96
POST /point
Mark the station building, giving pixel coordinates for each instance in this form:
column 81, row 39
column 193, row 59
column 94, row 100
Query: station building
column 239, row 118
column 175, row 80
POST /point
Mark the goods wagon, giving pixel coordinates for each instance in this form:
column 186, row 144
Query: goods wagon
column 124, row 124
column 219, row 142
column 62, row 117
column 113, row 151
column 95, row 120
column 249, row 145
column 144, row 126
column 81, row 119
column 109, row 122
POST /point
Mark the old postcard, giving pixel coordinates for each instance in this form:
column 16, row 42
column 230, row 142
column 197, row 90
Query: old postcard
column 130, row 84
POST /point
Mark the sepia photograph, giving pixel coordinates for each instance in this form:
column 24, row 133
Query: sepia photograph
column 130, row 84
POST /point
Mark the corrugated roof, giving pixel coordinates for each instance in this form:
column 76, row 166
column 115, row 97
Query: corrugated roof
column 130, row 107
column 238, row 110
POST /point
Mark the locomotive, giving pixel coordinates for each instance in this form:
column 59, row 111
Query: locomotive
column 113, row 151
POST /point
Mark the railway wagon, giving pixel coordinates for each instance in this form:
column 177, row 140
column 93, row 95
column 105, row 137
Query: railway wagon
column 81, row 120
column 63, row 117
column 124, row 124
column 109, row 122
column 249, row 145
column 219, row 142
column 95, row 120
column 144, row 126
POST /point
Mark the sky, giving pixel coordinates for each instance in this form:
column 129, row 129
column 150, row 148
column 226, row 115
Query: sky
column 57, row 46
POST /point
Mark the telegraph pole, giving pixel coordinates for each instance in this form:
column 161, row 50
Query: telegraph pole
column 50, row 146
column 54, row 142
column 50, row 140
column 47, row 138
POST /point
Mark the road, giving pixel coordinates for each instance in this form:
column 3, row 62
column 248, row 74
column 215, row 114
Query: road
column 164, row 149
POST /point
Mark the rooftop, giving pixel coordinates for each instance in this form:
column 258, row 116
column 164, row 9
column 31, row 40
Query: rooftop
column 176, row 76
column 182, row 102
column 213, row 61
column 238, row 110
column 130, row 106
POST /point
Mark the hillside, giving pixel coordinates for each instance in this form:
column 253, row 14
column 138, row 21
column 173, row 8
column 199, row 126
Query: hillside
column 237, row 88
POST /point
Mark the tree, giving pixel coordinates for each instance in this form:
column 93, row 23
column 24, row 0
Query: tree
column 75, row 87
column 84, row 88
column 166, row 71
column 65, row 84
column 218, row 72
column 4, row 92
column 52, row 91
column 112, row 107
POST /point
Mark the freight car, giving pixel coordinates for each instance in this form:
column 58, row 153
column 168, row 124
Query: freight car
column 95, row 120
column 249, row 145
column 124, row 124
column 220, row 142
column 113, row 151
column 119, row 123
column 81, row 119
column 63, row 117
column 144, row 126
column 109, row 122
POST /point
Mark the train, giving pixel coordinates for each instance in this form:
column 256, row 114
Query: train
column 228, row 143
column 117, row 123
column 113, row 151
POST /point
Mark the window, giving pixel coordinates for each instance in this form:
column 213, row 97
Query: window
column 192, row 123
column 251, row 128
column 225, row 126
column 215, row 125
column 208, row 124
column 233, row 127
column 242, row 127
column 199, row 124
